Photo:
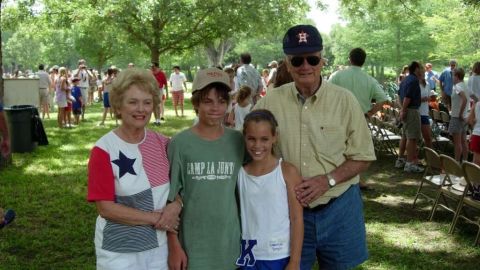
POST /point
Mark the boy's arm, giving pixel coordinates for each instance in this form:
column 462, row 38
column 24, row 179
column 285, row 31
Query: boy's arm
column 177, row 258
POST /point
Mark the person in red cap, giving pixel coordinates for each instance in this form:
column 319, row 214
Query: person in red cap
column 323, row 132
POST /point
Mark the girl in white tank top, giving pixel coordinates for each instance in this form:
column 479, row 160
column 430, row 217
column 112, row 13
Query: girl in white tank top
column 271, row 216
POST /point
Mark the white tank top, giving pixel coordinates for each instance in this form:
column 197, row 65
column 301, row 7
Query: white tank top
column 265, row 214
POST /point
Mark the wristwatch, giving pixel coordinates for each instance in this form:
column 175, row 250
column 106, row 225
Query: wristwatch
column 331, row 181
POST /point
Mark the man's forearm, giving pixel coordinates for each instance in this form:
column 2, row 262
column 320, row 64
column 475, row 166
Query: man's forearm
column 406, row 102
column 348, row 169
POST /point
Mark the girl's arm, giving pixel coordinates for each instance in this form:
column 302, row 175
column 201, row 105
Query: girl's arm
column 177, row 258
column 292, row 178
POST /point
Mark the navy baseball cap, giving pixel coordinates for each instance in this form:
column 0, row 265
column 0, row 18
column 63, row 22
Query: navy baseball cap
column 302, row 39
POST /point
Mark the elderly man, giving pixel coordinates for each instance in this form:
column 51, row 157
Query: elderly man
column 324, row 134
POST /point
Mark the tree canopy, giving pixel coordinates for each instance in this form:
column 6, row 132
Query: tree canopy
column 214, row 32
column 103, row 29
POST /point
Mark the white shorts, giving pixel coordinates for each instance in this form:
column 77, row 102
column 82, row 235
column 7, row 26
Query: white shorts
column 84, row 91
column 154, row 259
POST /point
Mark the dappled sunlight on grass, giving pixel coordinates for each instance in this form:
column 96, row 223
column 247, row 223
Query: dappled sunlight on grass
column 391, row 200
column 427, row 236
column 69, row 147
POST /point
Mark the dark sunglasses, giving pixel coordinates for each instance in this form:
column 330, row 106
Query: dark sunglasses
column 312, row 60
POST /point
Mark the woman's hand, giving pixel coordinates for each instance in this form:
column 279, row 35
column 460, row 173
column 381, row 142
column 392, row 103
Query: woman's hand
column 169, row 218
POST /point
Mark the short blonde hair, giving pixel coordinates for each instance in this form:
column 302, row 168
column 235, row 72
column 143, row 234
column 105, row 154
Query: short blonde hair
column 141, row 78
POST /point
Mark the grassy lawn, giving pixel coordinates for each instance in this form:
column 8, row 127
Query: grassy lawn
column 55, row 225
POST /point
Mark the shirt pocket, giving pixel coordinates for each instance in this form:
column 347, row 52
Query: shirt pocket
column 329, row 143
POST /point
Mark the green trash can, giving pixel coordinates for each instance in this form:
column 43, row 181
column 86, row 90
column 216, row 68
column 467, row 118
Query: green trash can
column 20, row 125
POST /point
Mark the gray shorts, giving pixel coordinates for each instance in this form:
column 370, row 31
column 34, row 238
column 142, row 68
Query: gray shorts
column 456, row 126
column 411, row 125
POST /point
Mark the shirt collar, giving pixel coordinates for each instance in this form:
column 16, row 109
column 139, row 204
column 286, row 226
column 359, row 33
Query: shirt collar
column 313, row 98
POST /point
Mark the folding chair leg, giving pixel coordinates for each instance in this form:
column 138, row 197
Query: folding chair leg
column 455, row 218
column 418, row 194
column 435, row 205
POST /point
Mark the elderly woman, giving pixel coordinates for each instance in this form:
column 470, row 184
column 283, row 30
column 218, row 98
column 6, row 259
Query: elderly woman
column 128, row 181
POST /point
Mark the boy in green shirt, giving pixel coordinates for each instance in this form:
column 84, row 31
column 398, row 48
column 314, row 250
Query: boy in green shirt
column 205, row 160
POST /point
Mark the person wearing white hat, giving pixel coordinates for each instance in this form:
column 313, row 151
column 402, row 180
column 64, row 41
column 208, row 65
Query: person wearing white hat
column 433, row 102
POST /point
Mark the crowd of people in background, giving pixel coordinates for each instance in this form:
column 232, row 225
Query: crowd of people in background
column 419, row 89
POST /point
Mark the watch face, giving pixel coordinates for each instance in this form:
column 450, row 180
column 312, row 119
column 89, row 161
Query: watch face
column 331, row 182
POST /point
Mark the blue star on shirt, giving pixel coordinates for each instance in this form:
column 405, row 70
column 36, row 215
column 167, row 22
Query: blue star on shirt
column 125, row 164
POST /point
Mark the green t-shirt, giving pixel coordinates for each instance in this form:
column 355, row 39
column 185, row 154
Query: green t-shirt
column 205, row 173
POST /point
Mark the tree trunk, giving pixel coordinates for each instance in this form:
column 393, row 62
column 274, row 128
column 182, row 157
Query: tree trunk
column 189, row 73
column 216, row 54
column 377, row 72
column 398, row 50
column 382, row 74
column 155, row 55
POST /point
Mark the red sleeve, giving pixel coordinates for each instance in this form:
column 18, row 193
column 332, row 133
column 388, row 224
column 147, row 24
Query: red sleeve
column 101, row 183
column 163, row 79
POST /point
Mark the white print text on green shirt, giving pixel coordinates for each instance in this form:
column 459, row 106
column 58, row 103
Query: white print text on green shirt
column 219, row 170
